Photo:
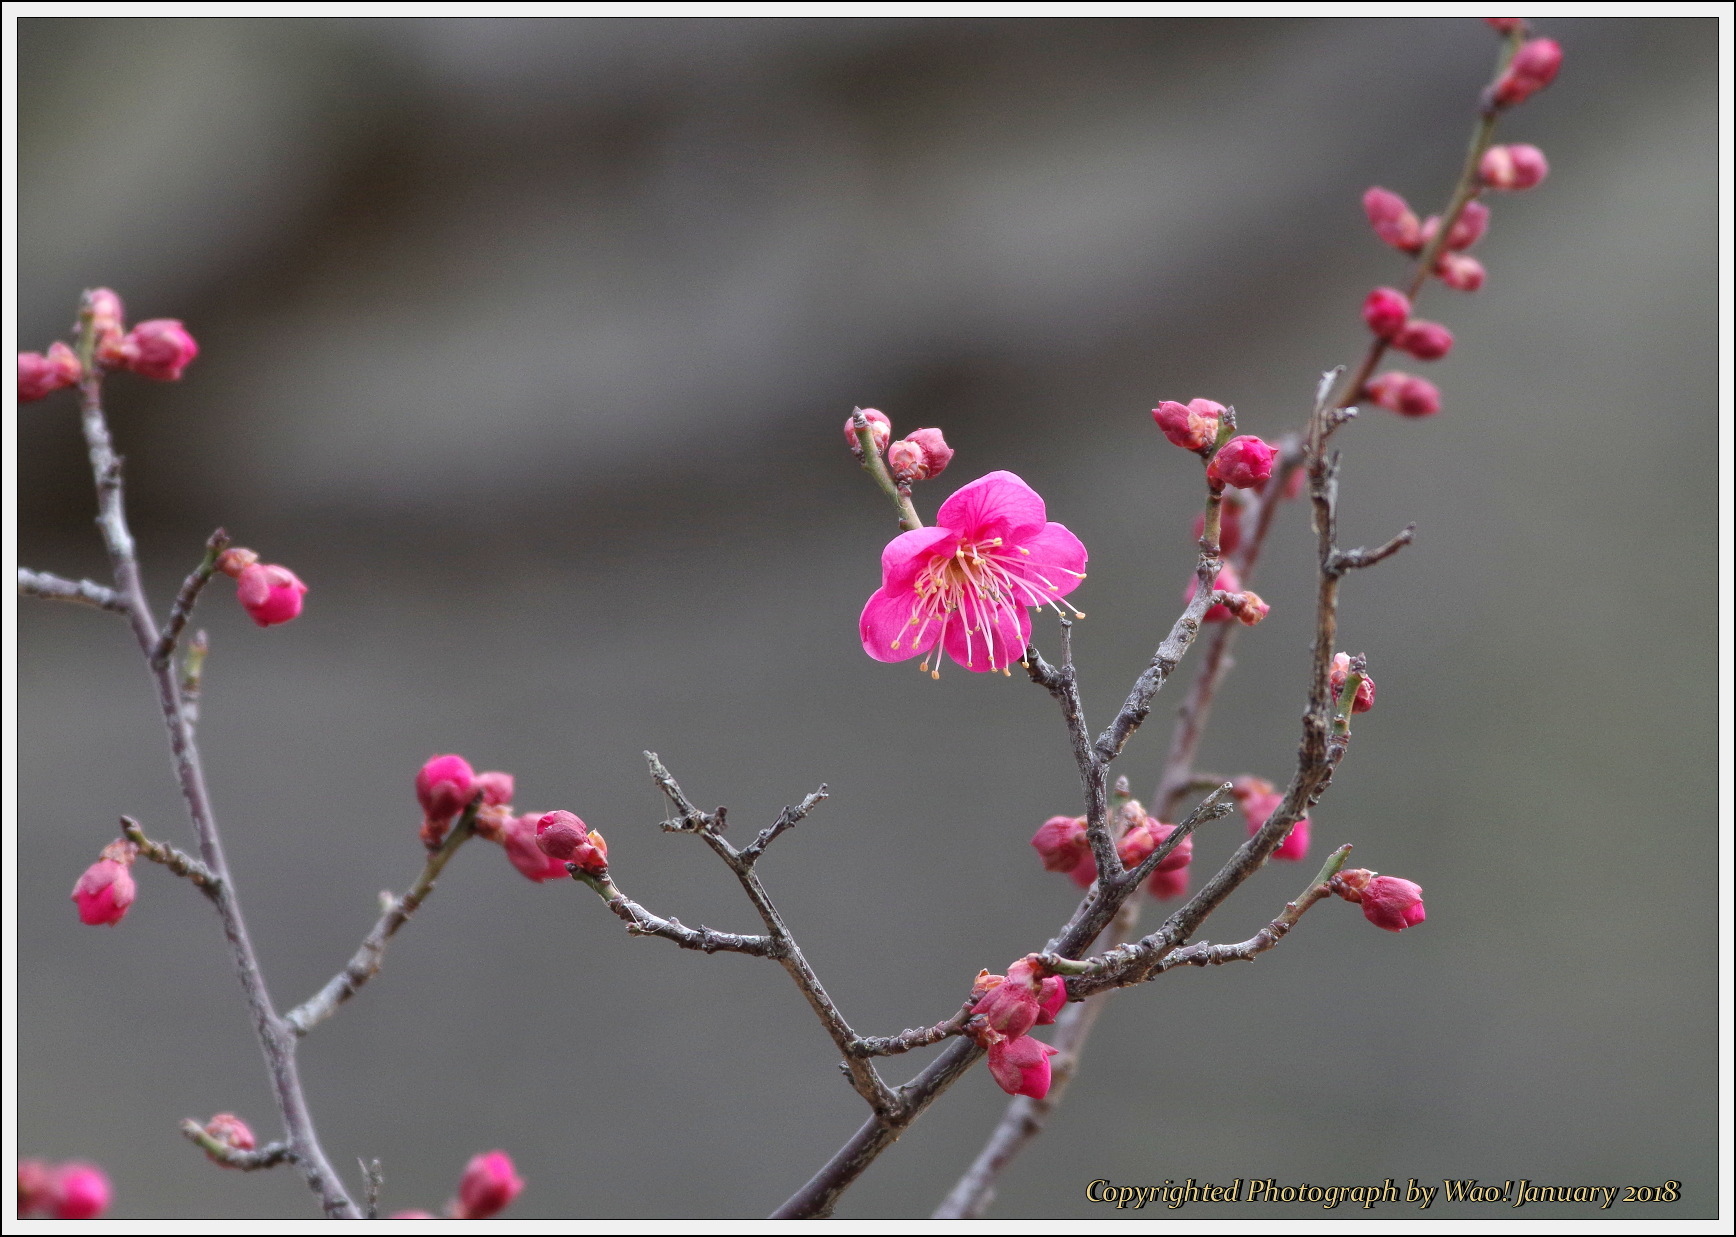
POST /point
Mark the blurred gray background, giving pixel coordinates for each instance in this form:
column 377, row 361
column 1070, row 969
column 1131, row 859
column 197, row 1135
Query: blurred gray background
column 527, row 345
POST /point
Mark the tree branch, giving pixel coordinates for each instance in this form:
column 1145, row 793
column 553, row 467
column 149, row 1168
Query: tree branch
column 189, row 596
column 80, row 592
column 171, row 857
column 268, row 1156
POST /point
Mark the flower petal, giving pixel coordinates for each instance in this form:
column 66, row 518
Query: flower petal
column 1054, row 561
column 887, row 631
column 997, row 505
column 908, row 553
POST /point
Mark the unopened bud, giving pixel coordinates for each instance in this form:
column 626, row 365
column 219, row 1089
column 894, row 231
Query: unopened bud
column 444, row 787
column 936, row 455
column 496, row 787
column 1061, row 842
column 1244, row 462
column 38, row 374
column 232, row 1132
column 1532, row 68
column 1248, row 607
column 270, row 594
column 1404, row 394
column 1513, row 168
column 1392, row 219
column 1459, row 271
column 490, row 1182
column 159, row 349
column 1341, row 675
column 563, row 836
column 1386, row 310
column 904, row 460
column 81, row 1192
column 1426, row 341
column 879, row 430
column 1389, row 902
column 1021, row 1066
column 1192, row 426
column 104, row 892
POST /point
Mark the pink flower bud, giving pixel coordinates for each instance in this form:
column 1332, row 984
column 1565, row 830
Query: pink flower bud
column 1021, row 1066
column 444, row 787
column 1404, row 394
column 904, row 460
column 519, row 840
column 1532, row 68
column 1512, row 168
column 81, row 1192
column 496, row 787
column 489, row 1183
column 1138, row 843
column 1249, row 608
column 1386, row 310
column 1008, row 1010
column 105, row 890
column 1393, row 903
column 879, row 429
column 38, row 374
column 1426, row 341
column 1469, row 227
column 936, row 455
column 1244, row 462
column 108, row 324
column 270, row 594
column 1459, row 271
column 35, row 1189
column 1051, row 996
column 1229, row 523
column 159, row 349
column 1193, row 426
column 564, row 837
column 1392, row 219
column 236, row 559
column 1062, row 843
column 1341, row 675
column 1171, row 884
column 1227, row 582
column 232, row 1132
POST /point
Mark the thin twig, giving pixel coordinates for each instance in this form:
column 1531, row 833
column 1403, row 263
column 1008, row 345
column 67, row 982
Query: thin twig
column 172, row 857
column 863, row 1076
column 1349, row 560
column 80, row 592
column 275, row 1038
column 188, row 597
column 789, row 816
column 365, row 963
column 641, row 922
column 374, row 1181
column 920, row 1037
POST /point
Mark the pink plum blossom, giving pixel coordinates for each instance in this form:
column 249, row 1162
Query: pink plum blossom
column 565, row 838
column 159, row 349
column 1393, row 903
column 966, row 583
column 81, row 1192
column 39, row 374
column 105, row 890
column 1062, row 843
column 519, row 840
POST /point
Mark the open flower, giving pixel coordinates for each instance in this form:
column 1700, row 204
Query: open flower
column 967, row 582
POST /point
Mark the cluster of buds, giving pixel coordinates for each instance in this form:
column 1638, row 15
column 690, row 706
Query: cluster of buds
column 227, row 1130
column 1233, row 601
column 105, row 890
column 1244, row 462
column 1003, row 1011
column 1341, row 675
column 1389, row 902
column 1064, row 846
column 1387, row 311
column 917, row 457
column 61, row 1191
column 270, row 594
column 446, row 787
column 159, row 349
column 1258, row 800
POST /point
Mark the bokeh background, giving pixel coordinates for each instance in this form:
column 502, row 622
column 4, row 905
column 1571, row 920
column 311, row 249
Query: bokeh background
column 527, row 344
